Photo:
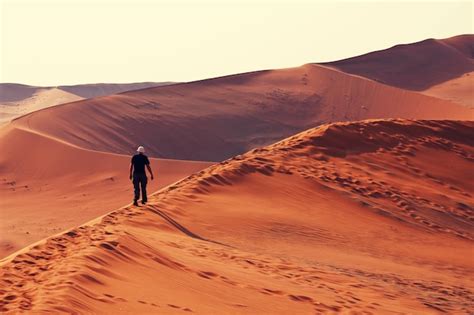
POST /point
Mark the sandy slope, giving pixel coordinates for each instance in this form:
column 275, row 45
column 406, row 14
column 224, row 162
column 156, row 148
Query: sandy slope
column 459, row 90
column 47, row 186
column 417, row 66
column 41, row 98
column 441, row 68
column 19, row 99
column 371, row 216
column 12, row 92
column 101, row 89
column 218, row 118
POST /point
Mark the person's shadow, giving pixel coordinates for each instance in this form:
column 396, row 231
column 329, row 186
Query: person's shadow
column 177, row 225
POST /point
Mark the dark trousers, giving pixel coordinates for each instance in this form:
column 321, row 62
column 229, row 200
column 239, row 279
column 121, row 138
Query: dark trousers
column 140, row 181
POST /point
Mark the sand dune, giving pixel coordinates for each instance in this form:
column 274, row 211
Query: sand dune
column 417, row 66
column 459, row 90
column 48, row 186
column 362, row 216
column 40, row 99
column 462, row 43
column 19, row 99
column 12, row 92
column 101, row 89
column 218, row 118
column 369, row 217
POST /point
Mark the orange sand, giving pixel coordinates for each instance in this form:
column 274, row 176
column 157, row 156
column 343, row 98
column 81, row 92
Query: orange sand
column 47, row 186
column 372, row 216
column 218, row 118
column 459, row 90
column 368, row 217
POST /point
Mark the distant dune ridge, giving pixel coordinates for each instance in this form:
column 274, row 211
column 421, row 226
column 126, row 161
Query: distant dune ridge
column 12, row 92
column 433, row 67
column 357, row 216
column 19, row 99
column 416, row 66
column 39, row 98
column 215, row 119
column 319, row 200
column 102, row 89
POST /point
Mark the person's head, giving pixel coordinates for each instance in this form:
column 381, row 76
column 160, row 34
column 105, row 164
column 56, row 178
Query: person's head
column 141, row 150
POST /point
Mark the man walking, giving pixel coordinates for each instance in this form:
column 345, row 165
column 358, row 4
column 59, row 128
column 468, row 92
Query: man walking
column 138, row 174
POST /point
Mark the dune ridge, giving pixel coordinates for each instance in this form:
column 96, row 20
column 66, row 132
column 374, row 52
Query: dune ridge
column 214, row 119
column 378, row 226
column 442, row 68
column 459, row 90
column 48, row 185
column 416, row 66
column 14, row 92
column 39, row 99
column 19, row 99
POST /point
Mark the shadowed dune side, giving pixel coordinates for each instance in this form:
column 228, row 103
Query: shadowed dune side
column 345, row 217
column 48, row 186
column 218, row 118
column 11, row 92
column 417, row 66
column 463, row 43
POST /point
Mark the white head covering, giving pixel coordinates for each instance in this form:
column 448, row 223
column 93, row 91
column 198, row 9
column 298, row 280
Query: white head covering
column 141, row 149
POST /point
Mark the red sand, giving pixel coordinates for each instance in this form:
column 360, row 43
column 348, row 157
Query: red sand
column 361, row 217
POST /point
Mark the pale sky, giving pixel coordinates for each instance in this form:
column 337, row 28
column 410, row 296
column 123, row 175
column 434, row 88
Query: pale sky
column 56, row 42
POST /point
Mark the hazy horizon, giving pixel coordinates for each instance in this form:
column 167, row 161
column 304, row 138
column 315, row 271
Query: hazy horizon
column 49, row 43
